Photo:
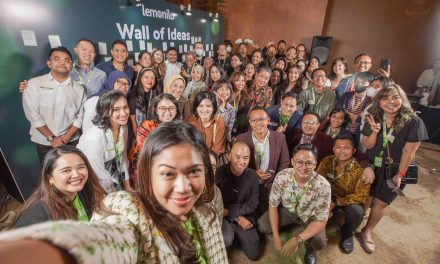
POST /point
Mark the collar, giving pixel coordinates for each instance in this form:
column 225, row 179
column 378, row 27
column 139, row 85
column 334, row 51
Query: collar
column 65, row 82
column 79, row 68
column 266, row 138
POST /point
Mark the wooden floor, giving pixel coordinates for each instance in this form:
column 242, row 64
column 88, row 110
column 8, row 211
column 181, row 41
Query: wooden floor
column 408, row 233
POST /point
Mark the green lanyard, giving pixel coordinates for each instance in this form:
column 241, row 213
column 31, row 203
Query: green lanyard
column 82, row 215
column 88, row 79
column 386, row 138
column 193, row 231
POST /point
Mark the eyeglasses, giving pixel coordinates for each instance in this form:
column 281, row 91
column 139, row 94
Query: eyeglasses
column 258, row 120
column 60, row 60
column 163, row 109
column 121, row 83
column 299, row 163
column 319, row 76
column 363, row 62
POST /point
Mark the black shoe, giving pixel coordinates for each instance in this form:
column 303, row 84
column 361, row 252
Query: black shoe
column 347, row 245
column 310, row 257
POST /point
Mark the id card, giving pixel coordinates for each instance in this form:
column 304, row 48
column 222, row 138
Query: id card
column 390, row 138
column 377, row 162
column 311, row 102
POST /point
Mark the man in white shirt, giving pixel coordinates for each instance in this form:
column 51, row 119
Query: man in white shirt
column 173, row 66
column 53, row 104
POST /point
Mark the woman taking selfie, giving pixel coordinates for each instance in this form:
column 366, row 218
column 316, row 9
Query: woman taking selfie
column 68, row 189
column 170, row 219
column 392, row 135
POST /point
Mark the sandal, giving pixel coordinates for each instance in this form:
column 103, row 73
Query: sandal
column 367, row 245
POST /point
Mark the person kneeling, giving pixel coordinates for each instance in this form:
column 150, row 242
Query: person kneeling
column 305, row 198
column 240, row 190
column 349, row 188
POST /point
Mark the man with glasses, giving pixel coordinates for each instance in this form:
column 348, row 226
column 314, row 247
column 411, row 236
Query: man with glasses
column 309, row 133
column 285, row 117
column 299, row 195
column 268, row 152
column 317, row 99
column 53, row 104
column 119, row 60
column 362, row 63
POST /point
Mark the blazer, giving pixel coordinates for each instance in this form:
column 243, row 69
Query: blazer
column 279, row 154
column 321, row 141
column 274, row 115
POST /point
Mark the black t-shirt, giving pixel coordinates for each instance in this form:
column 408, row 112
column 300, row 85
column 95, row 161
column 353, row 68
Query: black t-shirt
column 132, row 104
column 413, row 131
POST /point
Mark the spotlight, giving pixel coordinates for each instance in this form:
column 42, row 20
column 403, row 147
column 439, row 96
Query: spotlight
column 138, row 3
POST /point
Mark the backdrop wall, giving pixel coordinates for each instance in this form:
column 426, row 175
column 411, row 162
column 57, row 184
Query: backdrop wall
column 29, row 28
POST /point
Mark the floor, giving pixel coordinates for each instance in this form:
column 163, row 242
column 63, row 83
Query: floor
column 408, row 233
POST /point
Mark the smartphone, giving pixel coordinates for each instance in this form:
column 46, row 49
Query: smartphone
column 271, row 172
column 384, row 63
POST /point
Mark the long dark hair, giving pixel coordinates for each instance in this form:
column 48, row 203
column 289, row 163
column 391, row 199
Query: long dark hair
column 54, row 200
column 220, row 69
column 167, row 135
column 104, row 108
column 139, row 92
column 244, row 93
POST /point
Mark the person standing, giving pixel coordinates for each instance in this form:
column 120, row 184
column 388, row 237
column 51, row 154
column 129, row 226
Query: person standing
column 119, row 60
column 53, row 104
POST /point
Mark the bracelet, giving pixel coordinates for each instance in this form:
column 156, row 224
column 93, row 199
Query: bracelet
column 300, row 240
column 401, row 174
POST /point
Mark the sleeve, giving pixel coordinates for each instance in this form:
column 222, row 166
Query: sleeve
column 30, row 105
column 94, row 149
column 276, row 191
column 88, row 242
column 424, row 80
column 324, row 166
column 250, row 205
column 125, row 157
column 417, row 130
column 219, row 145
column 80, row 114
column 360, row 192
column 284, row 157
column 35, row 214
column 322, row 210
column 89, row 113
column 302, row 100
column 231, row 121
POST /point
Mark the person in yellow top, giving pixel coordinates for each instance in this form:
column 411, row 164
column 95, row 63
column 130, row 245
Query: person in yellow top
column 349, row 189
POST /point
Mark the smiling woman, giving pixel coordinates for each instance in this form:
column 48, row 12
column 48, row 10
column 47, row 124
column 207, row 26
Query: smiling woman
column 169, row 219
column 68, row 189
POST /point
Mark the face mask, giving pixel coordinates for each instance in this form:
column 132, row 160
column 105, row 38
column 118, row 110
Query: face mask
column 371, row 92
column 360, row 88
column 228, row 48
column 199, row 52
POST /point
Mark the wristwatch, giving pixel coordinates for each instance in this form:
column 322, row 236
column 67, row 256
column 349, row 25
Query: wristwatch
column 50, row 138
column 300, row 240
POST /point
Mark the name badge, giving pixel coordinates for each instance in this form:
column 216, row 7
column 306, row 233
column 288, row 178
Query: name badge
column 311, row 102
column 46, row 89
column 330, row 175
column 275, row 124
column 377, row 162
column 390, row 138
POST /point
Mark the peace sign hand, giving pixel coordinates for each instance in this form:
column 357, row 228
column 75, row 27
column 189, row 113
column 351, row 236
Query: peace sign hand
column 375, row 127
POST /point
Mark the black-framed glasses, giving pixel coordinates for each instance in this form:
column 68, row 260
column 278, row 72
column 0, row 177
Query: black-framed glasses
column 163, row 109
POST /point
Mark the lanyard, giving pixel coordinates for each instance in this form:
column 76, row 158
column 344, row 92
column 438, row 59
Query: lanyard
column 82, row 215
column 261, row 152
column 88, row 79
column 319, row 100
column 223, row 64
column 355, row 106
column 386, row 137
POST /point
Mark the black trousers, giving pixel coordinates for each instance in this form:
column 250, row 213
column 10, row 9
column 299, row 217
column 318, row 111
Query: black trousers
column 354, row 213
column 43, row 149
column 248, row 239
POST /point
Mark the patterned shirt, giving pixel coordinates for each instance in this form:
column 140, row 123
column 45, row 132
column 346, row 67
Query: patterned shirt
column 347, row 183
column 310, row 203
column 228, row 113
column 262, row 97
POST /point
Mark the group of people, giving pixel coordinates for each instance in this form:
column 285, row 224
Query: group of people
column 174, row 162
